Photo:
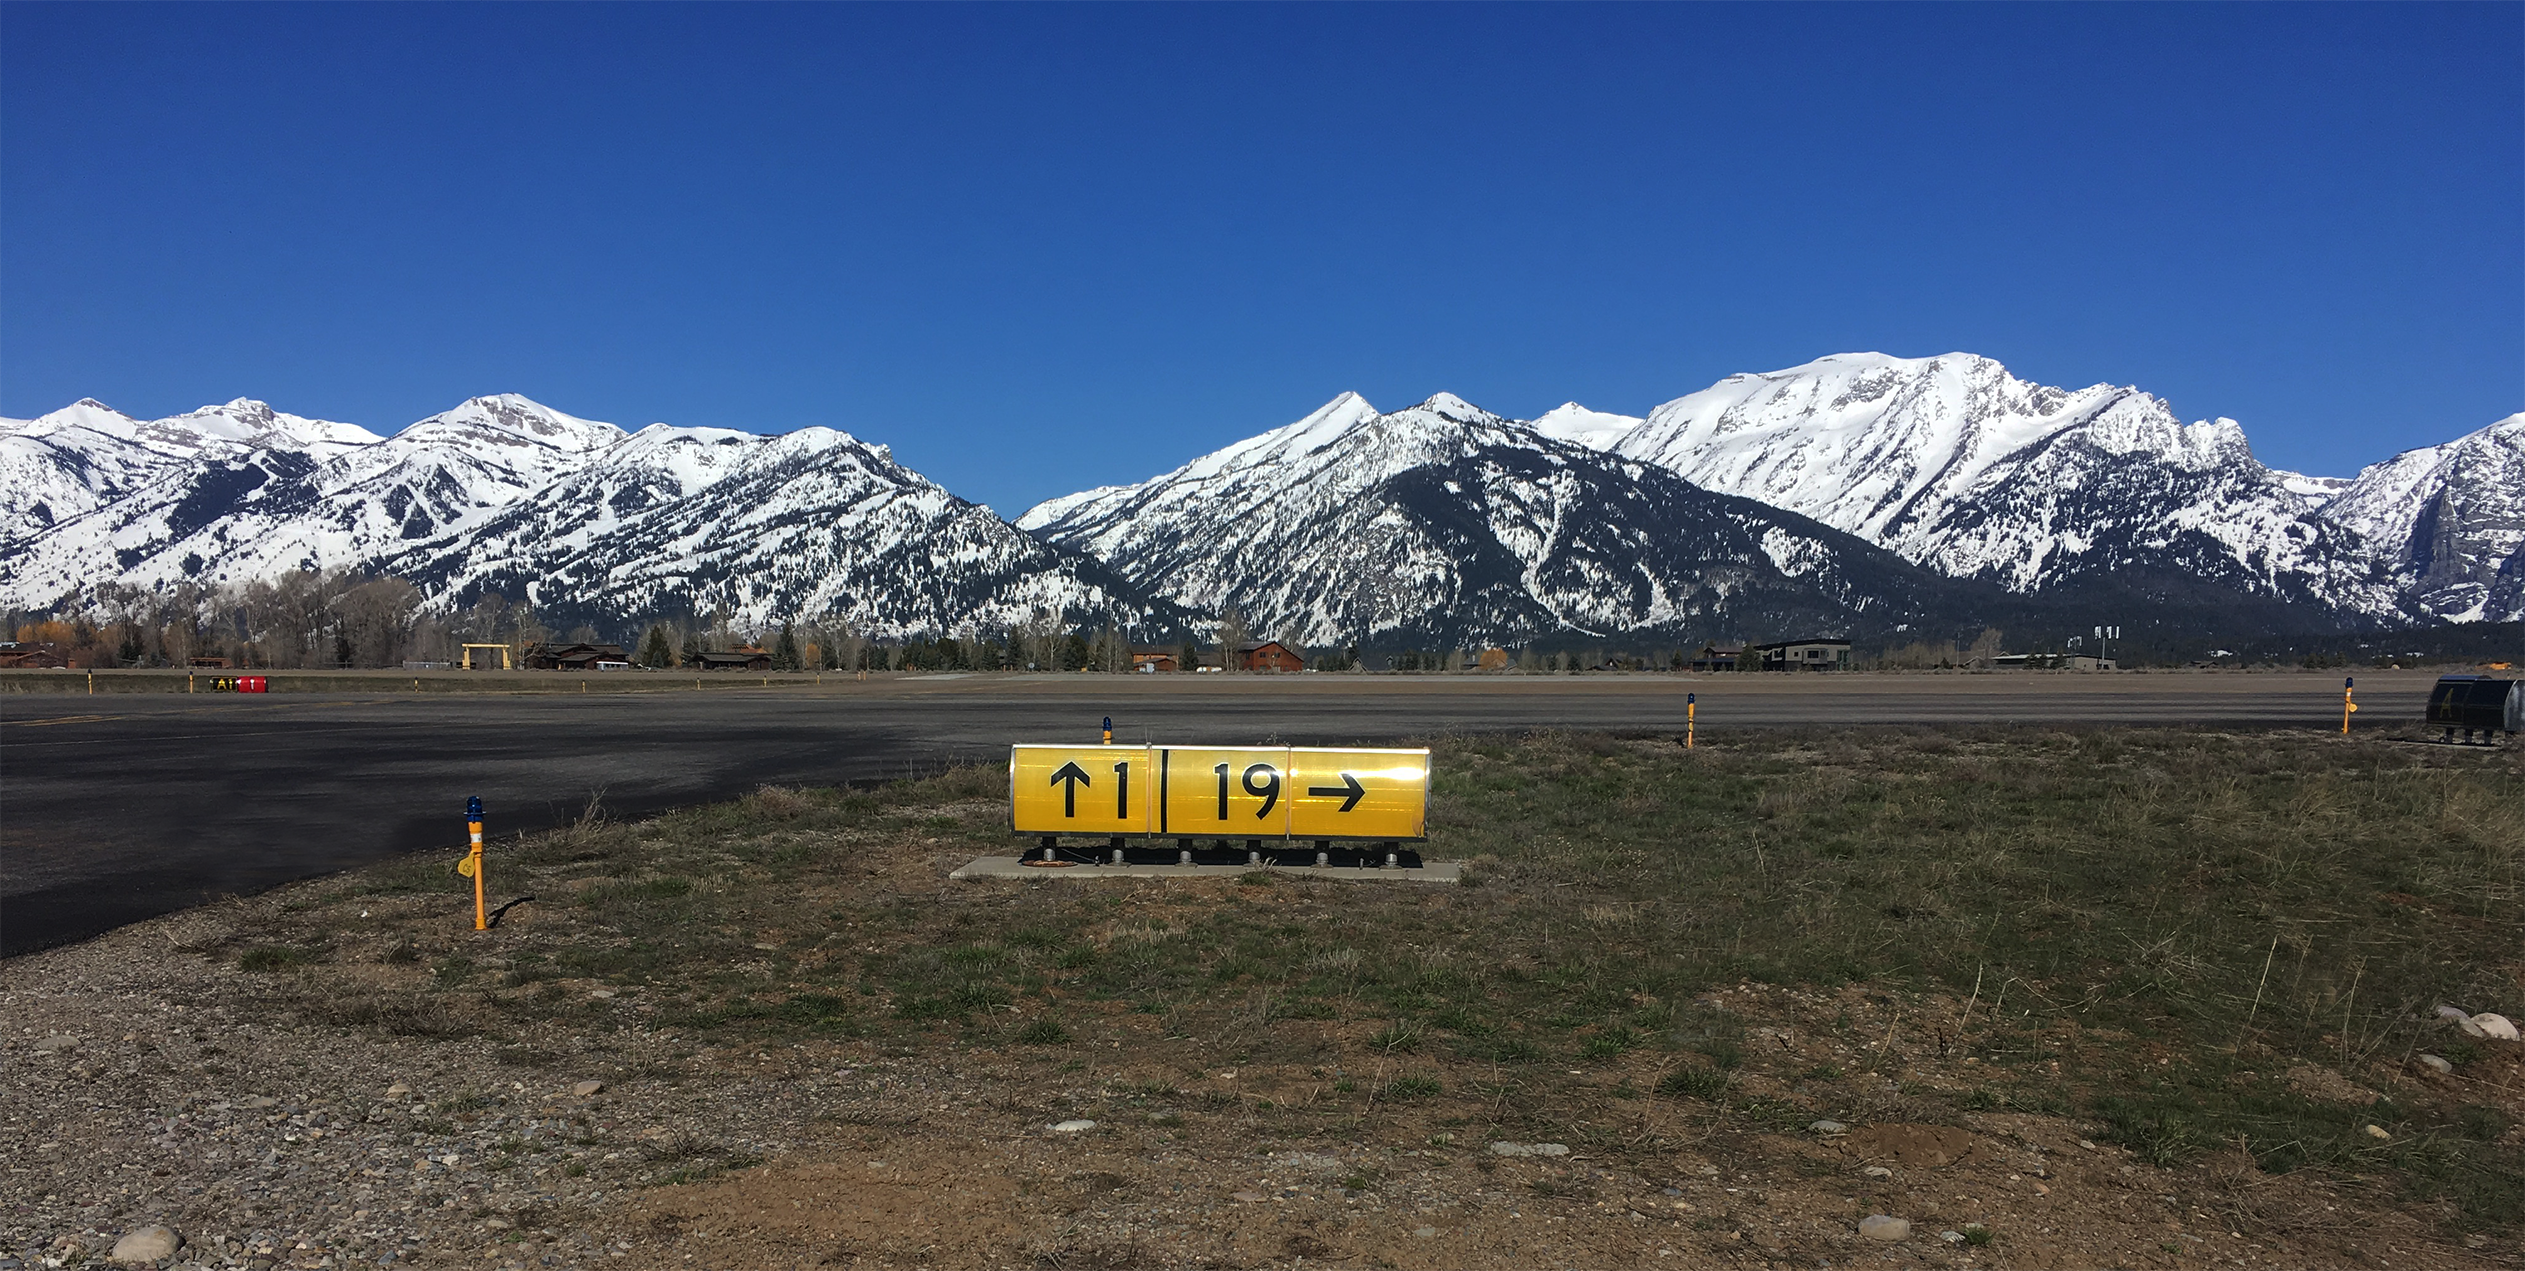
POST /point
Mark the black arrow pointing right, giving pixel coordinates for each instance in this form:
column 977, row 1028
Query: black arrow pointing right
column 1349, row 786
column 1076, row 777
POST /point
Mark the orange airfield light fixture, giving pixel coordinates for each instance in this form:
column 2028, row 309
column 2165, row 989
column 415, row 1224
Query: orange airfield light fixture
column 471, row 866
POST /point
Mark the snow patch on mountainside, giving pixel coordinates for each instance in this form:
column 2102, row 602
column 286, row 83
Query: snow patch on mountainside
column 1596, row 429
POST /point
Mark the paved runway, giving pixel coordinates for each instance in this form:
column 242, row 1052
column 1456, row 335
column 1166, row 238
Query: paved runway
column 118, row 807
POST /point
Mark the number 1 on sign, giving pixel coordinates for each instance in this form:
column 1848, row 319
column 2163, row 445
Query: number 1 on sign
column 1063, row 788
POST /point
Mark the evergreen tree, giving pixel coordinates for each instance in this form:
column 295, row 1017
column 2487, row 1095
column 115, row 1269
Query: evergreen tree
column 785, row 653
column 656, row 652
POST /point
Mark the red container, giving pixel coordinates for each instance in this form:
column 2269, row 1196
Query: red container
column 253, row 684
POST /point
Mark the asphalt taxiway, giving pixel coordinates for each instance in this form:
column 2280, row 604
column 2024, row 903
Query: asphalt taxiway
column 117, row 807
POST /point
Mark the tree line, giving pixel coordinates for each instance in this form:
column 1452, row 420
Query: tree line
column 303, row 618
column 349, row 619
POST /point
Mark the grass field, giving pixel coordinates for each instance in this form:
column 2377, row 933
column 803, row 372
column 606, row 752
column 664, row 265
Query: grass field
column 2185, row 941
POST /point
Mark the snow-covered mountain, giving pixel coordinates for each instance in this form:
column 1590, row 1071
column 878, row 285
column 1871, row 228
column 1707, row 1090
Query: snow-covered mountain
column 2449, row 521
column 503, row 494
column 1957, row 465
column 86, row 455
column 815, row 521
column 1446, row 521
column 1859, row 491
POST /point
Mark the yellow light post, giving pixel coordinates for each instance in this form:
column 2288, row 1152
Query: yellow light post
column 473, row 826
column 2348, row 707
column 1691, row 706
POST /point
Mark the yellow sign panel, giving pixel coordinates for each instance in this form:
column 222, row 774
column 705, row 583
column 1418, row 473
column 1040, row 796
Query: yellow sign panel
column 1081, row 789
column 1377, row 794
column 1247, row 792
column 1240, row 792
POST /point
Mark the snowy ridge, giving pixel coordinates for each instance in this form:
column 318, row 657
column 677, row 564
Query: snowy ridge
column 1858, row 491
column 86, row 455
column 1570, row 421
column 1446, row 521
column 809, row 522
column 503, row 494
column 2449, row 522
column 2090, row 496
column 1957, row 465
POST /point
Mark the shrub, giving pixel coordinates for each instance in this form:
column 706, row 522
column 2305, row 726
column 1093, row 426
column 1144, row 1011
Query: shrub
column 1693, row 1083
column 272, row 957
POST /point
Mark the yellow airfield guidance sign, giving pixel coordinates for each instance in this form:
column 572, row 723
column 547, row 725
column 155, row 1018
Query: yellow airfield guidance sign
column 1241, row 792
column 1382, row 794
column 1082, row 789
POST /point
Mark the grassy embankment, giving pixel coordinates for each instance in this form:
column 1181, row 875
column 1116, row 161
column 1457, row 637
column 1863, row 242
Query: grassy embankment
column 2137, row 929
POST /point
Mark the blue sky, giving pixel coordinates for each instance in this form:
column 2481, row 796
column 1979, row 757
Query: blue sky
column 1046, row 247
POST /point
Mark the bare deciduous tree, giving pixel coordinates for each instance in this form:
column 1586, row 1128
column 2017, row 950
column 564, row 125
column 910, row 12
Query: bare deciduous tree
column 1232, row 633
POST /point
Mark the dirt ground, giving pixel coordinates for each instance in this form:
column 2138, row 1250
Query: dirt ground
column 148, row 1077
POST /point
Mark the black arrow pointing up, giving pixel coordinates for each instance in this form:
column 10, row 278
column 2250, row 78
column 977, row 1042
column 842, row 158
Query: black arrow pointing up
column 1076, row 777
column 1349, row 786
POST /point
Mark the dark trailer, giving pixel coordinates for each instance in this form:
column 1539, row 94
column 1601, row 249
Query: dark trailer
column 2479, row 702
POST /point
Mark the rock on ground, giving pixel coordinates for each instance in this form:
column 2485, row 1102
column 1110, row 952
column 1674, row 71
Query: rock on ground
column 147, row 1244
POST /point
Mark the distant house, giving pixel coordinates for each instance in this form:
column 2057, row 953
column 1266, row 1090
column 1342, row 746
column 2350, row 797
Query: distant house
column 1156, row 657
column 1267, row 655
column 1718, row 657
column 2051, row 662
column 44, row 656
column 573, row 657
column 1802, row 655
column 744, row 659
